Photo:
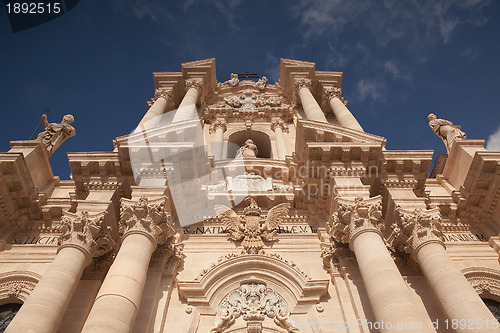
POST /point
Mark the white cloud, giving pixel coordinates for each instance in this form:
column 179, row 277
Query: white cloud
column 493, row 142
column 371, row 89
column 396, row 71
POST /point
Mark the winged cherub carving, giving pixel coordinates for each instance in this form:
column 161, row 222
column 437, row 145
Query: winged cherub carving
column 252, row 228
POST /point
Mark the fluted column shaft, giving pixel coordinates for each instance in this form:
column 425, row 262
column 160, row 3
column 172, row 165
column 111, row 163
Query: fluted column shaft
column 143, row 224
column 358, row 224
column 187, row 109
column 309, row 103
column 457, row 297
column 117, row 302
column 43, row 310
column 343, row 115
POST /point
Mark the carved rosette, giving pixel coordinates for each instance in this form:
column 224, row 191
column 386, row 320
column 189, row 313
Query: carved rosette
column 278, row 122
column 355, row 217
column 86, row 232
column 302, row 82
column 196, row 83
column 147, row 217
column 415, row 229
column 219, row 123
column 166, row 93
column 253, row 302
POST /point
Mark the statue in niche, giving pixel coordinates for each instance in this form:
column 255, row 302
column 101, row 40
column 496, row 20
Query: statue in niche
column 55, row 134
column 261, row 84
column 445, row 129
column 248, row 150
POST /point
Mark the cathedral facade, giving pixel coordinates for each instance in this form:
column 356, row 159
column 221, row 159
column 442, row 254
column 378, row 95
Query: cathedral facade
column 244, row 206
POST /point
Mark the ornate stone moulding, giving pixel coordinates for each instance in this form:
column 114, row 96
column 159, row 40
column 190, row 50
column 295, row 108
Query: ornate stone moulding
column 486, row 281
column 17, row 285
column 208, row 290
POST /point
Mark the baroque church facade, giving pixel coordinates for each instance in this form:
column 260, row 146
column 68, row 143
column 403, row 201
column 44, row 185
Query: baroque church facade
column 243, row 206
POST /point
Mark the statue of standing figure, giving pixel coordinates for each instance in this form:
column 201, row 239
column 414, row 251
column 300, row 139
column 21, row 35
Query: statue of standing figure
column 445, row 129
column 248, row 150
column 55, row 134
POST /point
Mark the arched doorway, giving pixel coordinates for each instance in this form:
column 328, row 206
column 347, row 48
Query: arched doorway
column 7, row 313
column 493, row 306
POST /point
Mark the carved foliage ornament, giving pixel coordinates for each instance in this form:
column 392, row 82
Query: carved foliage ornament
column 302, row 82
column 416, row 228
column 253, row 302
column 147, row 217
column 252, row 228
column 354, row 217
column 86, row 231
column 219, row 123
column 166, row 93
column 196, row 83
column 278, row 122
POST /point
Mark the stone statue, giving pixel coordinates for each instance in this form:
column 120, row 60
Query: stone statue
column 55, row 134
column 261, row 84
column 445, row 129
column 248, row 150
column 234, row 79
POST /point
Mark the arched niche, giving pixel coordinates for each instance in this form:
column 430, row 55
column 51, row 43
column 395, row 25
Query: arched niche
column 260, row 139
column 16, row 286
column 298, row 290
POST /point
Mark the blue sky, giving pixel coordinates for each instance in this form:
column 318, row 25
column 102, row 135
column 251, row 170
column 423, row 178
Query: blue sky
column 401, row 60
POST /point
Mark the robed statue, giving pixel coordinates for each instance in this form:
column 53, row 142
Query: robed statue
column 445, row 129
column 248, row 150
column 55, row 134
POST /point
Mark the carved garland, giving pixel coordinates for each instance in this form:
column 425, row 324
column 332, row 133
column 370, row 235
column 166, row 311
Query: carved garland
column 253, row 302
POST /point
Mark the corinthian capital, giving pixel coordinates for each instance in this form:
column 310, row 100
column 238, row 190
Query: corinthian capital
column 302, row 82
column 278, row 122
column 355, row 217
column 196, row 83
column 218, row 123
column 147, row 217
column 332, row 92
column 166, row 93
column 415, row 229
column 86, row 232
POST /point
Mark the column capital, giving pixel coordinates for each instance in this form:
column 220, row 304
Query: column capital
column 354, row 217
column 196, row 83
column 415, row 229
column 218, row 123
column 86, row 232
column 302, row 82
column 146, row 217
column 332, row 92
column 167, row 93
column 278, row 122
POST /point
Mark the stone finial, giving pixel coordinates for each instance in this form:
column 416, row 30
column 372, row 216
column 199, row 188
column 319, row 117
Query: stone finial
column 445, row 129
column 218, row 123
column 416, row 228
column 196, row 83
column 55, row 134
column 354, row 217
column 86, row 232
column 146, row 217
column 167, row 93
column 302, row 82
column 278, row 122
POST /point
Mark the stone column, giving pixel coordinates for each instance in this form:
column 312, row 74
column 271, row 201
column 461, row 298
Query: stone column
column 416, row 233
column 218, row 128
column 309, row 103
column 144, row 224
column 83, row 238
column 342, row 113
column 278, row 126
column 159, row 107
column 187, row 109
column 358, row 223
